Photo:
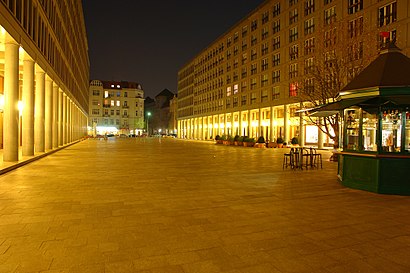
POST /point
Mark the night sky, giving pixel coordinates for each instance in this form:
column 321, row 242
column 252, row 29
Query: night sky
column 149, row 41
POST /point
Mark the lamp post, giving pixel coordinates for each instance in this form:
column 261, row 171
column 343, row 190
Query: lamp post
column 148, row 115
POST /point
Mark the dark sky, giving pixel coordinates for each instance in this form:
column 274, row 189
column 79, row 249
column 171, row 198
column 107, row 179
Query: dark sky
column 149, row 41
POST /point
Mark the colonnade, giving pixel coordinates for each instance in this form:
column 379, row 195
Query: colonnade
column 270, row 122
column 37, row 114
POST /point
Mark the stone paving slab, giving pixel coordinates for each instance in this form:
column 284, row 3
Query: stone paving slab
column 166, row 205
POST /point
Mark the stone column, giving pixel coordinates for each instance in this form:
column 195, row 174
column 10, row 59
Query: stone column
column 28, row 112
column 301, row 128
column 260, row 129
column 55, row 117
column 272, row 135
column 60, row 118
column 39, row 112
column 11, row 97
column 64, row 120
column 285, row 123
column 48, row 125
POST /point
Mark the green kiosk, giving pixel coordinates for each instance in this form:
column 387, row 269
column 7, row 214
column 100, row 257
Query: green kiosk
column 375, row 108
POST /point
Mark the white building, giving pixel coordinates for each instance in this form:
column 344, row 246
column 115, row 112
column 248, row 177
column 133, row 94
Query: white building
column 115, row 108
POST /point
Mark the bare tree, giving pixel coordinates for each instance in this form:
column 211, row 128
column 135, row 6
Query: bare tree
column 337, row 52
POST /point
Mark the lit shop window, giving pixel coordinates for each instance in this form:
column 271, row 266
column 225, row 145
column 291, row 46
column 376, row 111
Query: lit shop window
column 391, row 131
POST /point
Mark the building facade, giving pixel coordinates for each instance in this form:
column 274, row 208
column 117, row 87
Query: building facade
column 44, row 68
column 247, row 81
column 116, row 108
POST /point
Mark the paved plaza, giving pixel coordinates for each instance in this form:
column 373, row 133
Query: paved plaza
column 153, row 205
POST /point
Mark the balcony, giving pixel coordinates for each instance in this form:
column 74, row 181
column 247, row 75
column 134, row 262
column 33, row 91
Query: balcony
column 106, row 115
column 125, row 116
column 106, row 105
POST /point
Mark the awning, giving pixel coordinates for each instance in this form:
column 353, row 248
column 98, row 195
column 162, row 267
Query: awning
column 342, row 104
column 334, row 107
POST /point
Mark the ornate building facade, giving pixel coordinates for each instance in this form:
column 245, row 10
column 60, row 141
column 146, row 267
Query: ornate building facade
column 44, row 70
column 247, row 82
column 116, row 108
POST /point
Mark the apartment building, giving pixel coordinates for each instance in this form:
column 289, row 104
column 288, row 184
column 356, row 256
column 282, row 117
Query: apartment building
column 247, row 82
column 116, row 108
column 44, row 69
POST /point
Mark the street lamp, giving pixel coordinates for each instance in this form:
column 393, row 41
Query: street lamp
column 148, row 115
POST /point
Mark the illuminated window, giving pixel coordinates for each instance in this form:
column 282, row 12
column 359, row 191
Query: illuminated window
column 293, row 89
column 106, row 94
column 235, row 89
column 387, row 37
column 112, row 103
column 118, row 103
column 228, row 91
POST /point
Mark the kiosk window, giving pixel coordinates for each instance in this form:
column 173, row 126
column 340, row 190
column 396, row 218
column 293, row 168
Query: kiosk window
column 391, row 131
column 369, row 131
column 352, row 119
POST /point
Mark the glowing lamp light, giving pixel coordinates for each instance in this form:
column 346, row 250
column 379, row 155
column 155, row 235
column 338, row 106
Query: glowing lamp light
column 216, row 126
column 264, row 123
column 20, row 106
column 228, row 125
column 245, row 123
column 221, row 125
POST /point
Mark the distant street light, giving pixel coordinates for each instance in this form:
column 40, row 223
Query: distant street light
column 148, row 115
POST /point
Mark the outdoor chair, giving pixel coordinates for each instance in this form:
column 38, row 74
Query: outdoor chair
column 316, row 158
column 288, row 159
